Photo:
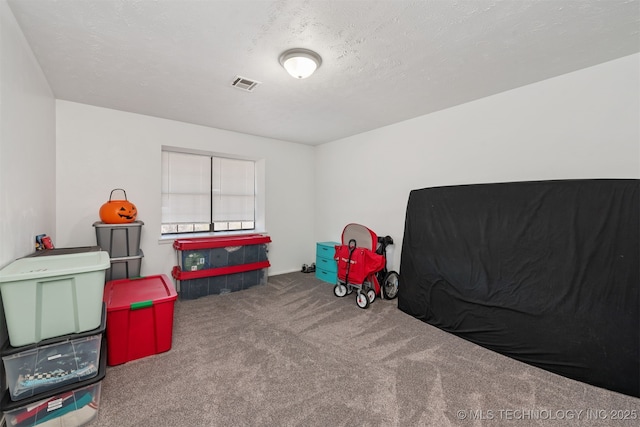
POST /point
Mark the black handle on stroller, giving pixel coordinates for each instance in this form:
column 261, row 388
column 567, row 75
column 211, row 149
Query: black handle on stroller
column 352, row 247
column 383, row 242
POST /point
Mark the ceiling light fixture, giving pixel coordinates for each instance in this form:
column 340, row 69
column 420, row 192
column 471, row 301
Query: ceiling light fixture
column 300, row 63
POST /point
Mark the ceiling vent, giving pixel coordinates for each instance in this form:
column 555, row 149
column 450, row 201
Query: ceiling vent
column 245, row 83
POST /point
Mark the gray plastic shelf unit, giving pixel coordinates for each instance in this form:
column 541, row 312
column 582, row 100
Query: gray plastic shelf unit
column 120, row 240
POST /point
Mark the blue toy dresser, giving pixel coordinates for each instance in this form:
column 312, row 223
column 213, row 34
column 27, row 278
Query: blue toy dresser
column 326, row 267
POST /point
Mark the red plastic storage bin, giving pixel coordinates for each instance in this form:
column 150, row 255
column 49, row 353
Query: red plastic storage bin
column 204, row 253
column 139, row 317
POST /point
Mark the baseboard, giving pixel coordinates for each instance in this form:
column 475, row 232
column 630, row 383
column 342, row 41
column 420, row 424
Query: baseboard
column 277, row 273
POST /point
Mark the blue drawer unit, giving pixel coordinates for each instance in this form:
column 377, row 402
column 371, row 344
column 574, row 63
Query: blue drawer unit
column 326, row 267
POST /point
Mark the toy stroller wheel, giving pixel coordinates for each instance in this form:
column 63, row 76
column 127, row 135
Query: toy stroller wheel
column 340, row 290
column 362, row 300
column 371, row 294
column 390, row 285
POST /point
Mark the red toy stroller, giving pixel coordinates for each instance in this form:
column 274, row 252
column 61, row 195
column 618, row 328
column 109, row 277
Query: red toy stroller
column 362, row 266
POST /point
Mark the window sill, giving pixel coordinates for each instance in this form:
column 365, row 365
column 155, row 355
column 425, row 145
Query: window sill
column 170, row 238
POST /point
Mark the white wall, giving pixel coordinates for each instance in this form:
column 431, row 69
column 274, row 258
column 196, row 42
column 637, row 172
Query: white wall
column 580, row 125
column 27, row 147
column 100, row 149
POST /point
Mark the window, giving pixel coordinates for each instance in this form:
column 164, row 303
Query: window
column 205, row 193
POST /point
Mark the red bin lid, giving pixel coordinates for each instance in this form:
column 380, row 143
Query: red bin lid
column 220, row 241
column 139, row 292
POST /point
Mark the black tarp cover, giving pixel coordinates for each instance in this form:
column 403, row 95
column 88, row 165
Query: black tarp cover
column 544, row 272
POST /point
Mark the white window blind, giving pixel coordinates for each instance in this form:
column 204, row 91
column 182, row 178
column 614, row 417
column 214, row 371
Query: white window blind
column 207, row 193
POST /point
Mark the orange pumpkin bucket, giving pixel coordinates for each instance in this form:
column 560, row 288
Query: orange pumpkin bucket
column 118, row 211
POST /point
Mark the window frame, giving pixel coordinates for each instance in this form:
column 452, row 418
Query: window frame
column 259, row 195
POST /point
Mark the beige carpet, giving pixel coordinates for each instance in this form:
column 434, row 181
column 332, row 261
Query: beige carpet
column 292, row 354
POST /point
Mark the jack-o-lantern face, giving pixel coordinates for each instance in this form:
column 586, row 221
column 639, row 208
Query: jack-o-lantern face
column 129, row 213
column 118, row 211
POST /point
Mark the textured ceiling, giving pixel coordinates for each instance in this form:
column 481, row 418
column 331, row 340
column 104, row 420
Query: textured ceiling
column 383, row 61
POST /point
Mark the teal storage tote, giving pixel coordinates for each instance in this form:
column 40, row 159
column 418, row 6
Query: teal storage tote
column 50, row 296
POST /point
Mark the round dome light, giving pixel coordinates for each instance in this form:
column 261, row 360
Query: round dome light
column 300, row 63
